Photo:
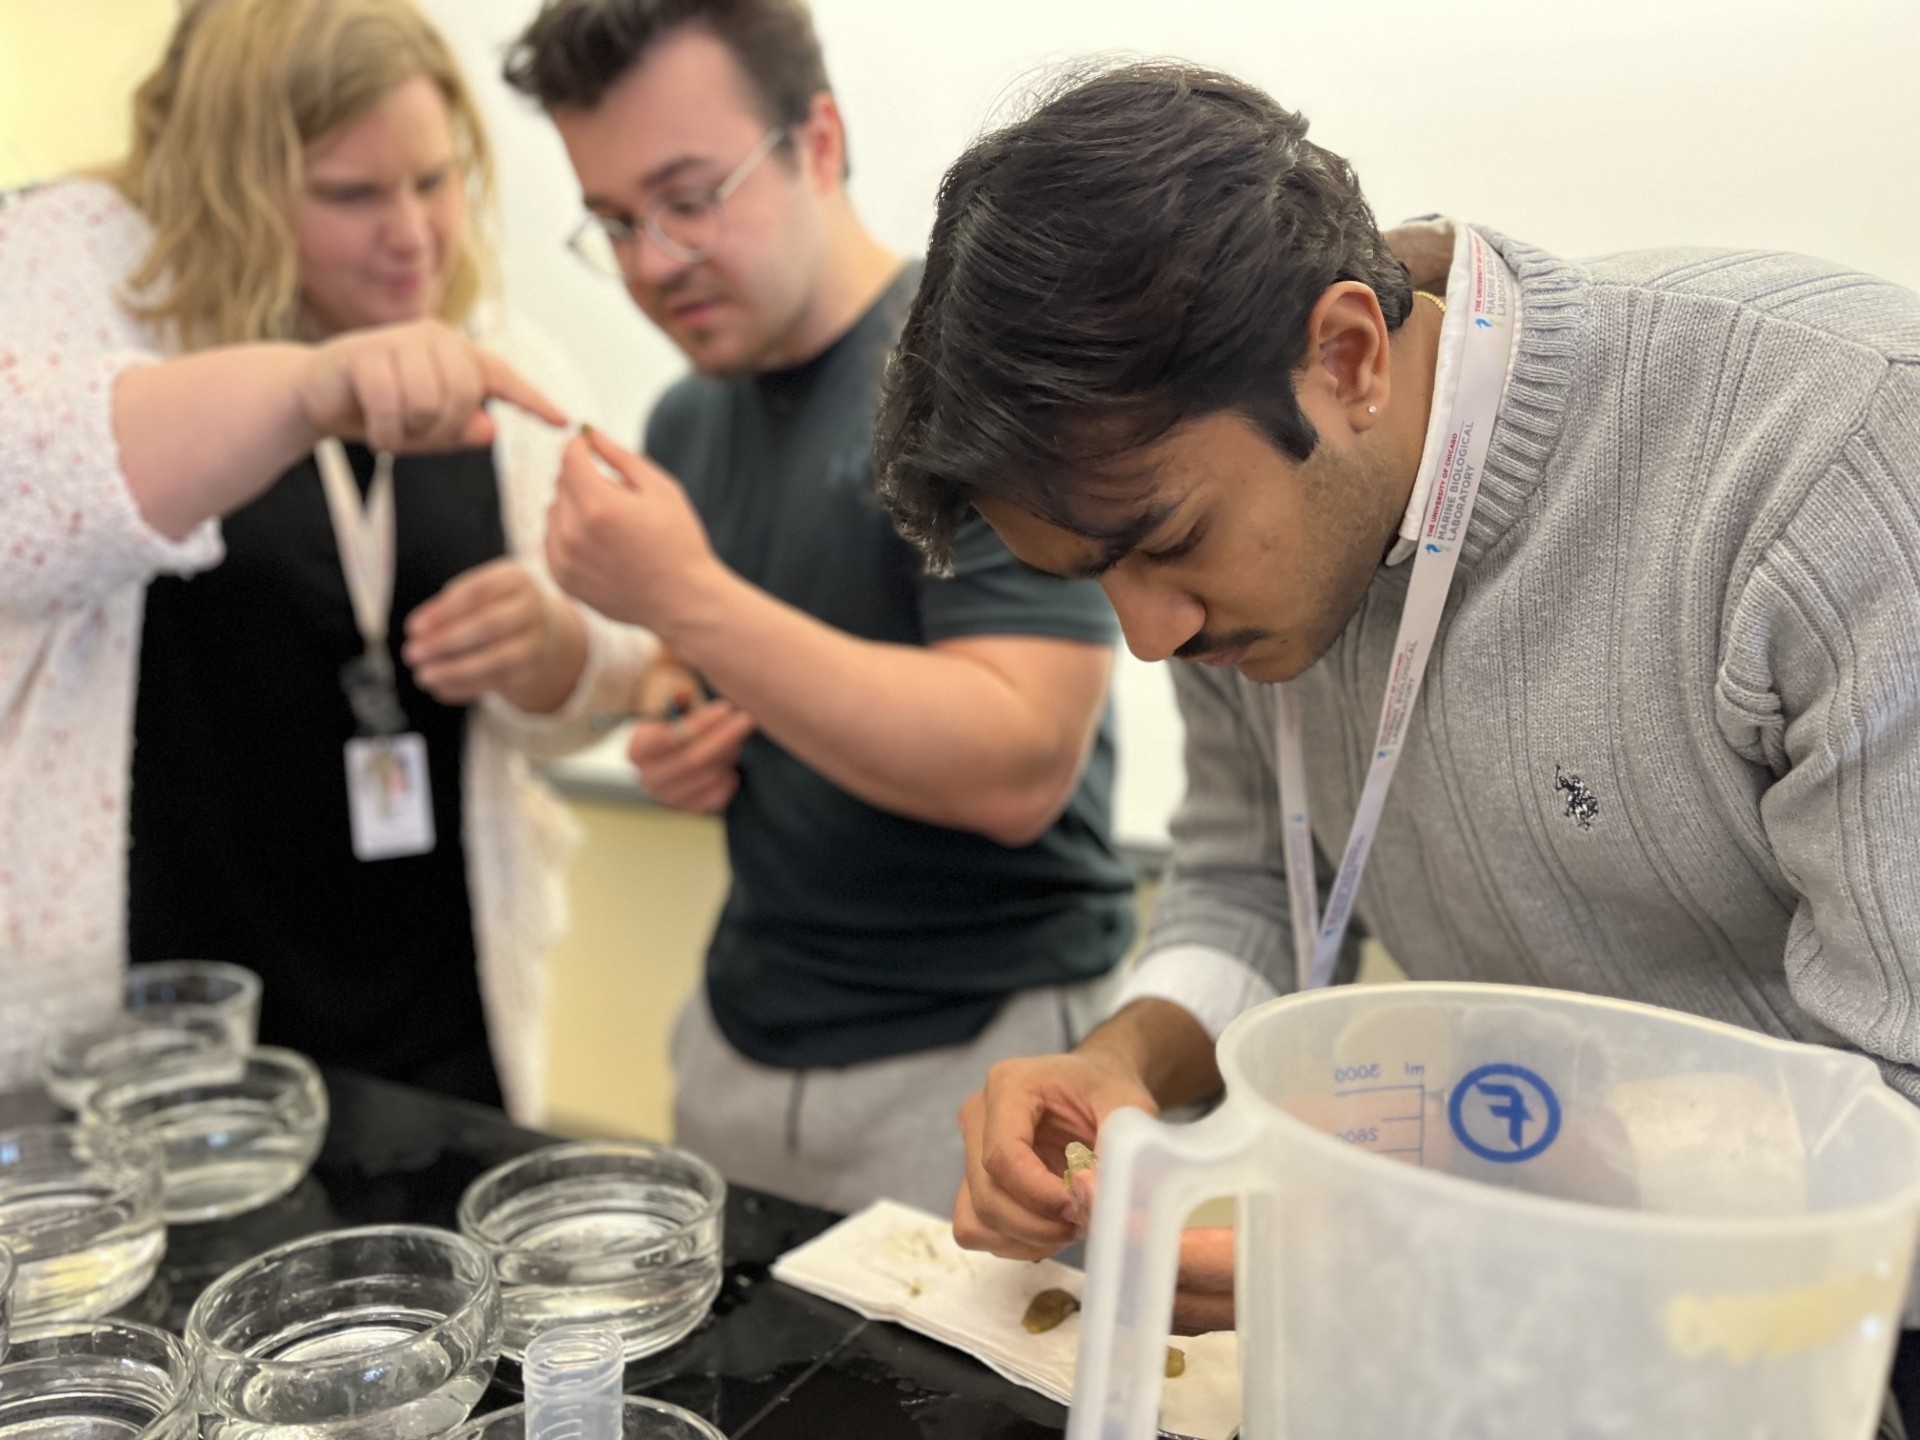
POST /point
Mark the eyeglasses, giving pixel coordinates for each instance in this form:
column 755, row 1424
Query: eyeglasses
column 686, row 222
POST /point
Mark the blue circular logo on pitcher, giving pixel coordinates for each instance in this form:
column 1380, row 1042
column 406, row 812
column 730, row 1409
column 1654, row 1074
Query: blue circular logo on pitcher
column 1504, row 1113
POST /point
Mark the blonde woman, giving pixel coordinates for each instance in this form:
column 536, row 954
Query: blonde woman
column 265, row 697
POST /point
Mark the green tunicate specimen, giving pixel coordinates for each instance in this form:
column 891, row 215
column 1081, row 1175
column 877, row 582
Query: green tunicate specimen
column 1048, row 1309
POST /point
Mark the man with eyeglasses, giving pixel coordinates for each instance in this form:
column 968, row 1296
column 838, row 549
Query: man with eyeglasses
column 915, row 772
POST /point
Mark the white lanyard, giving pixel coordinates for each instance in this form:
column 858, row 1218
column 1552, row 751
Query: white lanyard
column 389, row 792
column 365, row 535
column 1458, row 431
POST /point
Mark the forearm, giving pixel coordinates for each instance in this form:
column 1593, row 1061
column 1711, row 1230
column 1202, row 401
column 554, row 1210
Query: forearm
column 201, row 435
column 1161, row 1045
column 930, row 735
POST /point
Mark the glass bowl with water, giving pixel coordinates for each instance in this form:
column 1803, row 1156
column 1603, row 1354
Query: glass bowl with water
column 99, row 1380
column 618, row 1233
column 109, row 1380
column 640, row 1419
column 80, row 1209
column 235, row 1131
column 75, row 1063
column 389, row 1332
column 212, row 989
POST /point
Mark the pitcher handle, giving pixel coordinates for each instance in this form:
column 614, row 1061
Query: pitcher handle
column 1152, row 1175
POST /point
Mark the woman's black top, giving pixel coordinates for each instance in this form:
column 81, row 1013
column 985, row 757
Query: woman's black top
column 240, row 843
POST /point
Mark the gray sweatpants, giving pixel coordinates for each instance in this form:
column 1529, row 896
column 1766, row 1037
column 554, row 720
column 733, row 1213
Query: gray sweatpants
column 842, row 1137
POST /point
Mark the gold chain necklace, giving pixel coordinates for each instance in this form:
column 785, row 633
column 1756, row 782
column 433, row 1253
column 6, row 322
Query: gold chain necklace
column 1429, row 295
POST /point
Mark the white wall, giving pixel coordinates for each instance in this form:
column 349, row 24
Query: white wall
column 1582, row 127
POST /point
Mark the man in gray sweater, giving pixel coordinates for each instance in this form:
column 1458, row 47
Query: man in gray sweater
column 1668, row 744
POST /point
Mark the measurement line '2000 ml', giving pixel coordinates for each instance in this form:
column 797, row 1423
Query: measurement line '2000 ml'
column 1381, row 1113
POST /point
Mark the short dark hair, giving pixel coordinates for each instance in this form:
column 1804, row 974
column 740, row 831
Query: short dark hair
column 575, row 50
column 1141, row 250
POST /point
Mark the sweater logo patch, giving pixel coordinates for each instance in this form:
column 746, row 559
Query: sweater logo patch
column 1583, row 806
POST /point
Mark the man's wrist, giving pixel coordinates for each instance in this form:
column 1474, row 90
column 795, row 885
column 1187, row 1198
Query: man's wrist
column 1159, row 1046
column 697, row 612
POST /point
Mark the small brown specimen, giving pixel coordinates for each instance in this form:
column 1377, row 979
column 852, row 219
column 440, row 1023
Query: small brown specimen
column 1048, row 1309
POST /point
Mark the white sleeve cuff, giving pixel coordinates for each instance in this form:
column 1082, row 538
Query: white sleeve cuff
column 616, row 656
column 1210, row 985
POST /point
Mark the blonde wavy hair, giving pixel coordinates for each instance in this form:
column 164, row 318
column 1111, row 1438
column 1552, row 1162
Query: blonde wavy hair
column 215, row 164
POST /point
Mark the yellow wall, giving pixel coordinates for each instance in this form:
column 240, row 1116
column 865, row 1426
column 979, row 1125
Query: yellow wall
column 645, row 888
column 67, row 70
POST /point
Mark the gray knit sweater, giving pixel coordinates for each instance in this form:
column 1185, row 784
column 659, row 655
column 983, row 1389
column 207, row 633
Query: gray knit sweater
column 1669, row 744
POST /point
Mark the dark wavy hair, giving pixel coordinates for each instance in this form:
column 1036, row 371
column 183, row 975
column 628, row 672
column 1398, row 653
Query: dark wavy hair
column 574, row 51
column 1143, row 249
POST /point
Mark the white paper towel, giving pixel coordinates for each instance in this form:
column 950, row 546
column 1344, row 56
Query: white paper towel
column 892, row 1262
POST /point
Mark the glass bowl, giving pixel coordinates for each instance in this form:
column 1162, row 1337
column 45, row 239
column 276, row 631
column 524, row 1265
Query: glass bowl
column 618, row 1233
column 80, row 1209
column 113, row 1380
column 227, row 993
column 640, row 1419
column 75, row 1063
column 389, row 1332
column 235, row 1132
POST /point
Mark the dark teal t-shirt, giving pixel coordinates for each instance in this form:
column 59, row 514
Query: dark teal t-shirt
column 851, row 934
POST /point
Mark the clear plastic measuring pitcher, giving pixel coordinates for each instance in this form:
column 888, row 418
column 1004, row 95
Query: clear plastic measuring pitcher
column 1477, row 1212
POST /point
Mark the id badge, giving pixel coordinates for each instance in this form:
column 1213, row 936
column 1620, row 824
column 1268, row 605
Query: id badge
column 387, row 797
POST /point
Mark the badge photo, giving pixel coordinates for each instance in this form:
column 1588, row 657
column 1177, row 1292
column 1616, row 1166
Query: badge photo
column 388, row 800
